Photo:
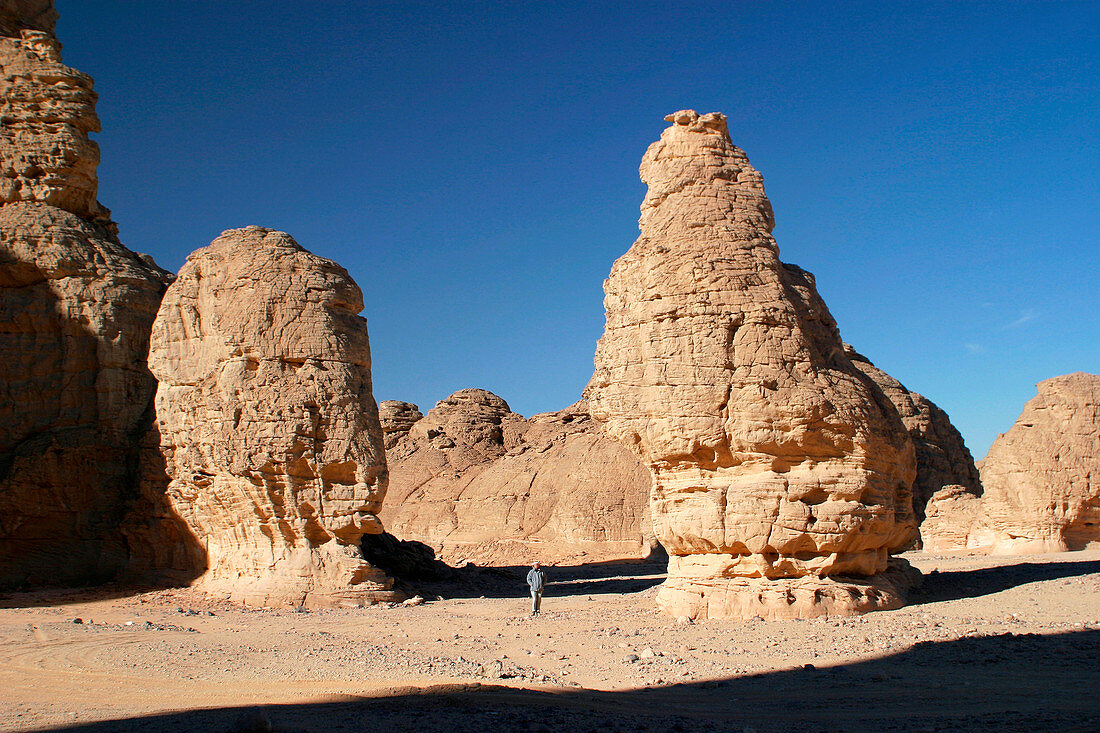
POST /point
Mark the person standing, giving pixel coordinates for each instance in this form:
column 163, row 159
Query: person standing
column 536, row 580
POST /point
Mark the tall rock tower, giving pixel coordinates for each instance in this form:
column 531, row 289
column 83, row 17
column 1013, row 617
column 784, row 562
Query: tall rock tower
column 781, row 473
column 75, row 312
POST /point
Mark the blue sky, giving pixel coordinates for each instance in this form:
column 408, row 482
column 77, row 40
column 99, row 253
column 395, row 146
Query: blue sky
column 474, row 166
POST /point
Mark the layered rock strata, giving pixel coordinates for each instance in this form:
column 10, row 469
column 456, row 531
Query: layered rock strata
column 943, row 460
column 48, row 111
column 267, row 424
column 478, row 482
column 781, row 473
column 75, row 312
column 953, row 521
column 397, row 419
column 1041, row 478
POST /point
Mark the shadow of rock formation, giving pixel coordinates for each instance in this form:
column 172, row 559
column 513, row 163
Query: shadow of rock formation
column 955, row 584
column 1005, row 683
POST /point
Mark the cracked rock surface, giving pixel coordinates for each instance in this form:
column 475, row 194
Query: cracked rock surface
column 76, row 307
column 943, row 460
column 478, row 482
column 267, row 423
column 1041, row 478
column 781, row 473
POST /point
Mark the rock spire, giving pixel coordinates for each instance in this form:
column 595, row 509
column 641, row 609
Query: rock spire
column 781, row 473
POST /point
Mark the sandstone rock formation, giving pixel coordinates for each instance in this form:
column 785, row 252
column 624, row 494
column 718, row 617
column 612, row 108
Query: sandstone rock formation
column 1041, row 478
column 268, row 427
column 781, row 473
column 75, row 312
column 953, row 521
column 48, row 110
column 397, row 419
column 943, row 459
column 478, row 482
column 19, row 15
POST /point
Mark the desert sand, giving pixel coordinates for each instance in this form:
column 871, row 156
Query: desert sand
column 988, row 643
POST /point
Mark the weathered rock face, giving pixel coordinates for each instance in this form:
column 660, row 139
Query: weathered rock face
column 75, row 312
column 268, row 427
column 1042, row 477
column 48, row 110
column 397, row 419
column 953, row 521
column 777, row 465
column 943, row 459
column 19, row 15
column 476, row 481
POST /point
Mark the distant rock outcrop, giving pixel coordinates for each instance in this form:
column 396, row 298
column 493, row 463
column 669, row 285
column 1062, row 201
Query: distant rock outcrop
column 781, row 473
column 397, row 419
column 267, row 424
column 476, row 481
column 1041, row 478
column 75, row 312
column 943, row 459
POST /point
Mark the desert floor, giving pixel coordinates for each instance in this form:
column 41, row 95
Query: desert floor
column 1004, row 644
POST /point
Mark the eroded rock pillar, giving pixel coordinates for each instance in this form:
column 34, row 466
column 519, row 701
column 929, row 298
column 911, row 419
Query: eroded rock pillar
column 267, row 422
column 781, row 473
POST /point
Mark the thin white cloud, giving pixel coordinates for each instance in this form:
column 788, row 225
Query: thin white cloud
column 1025, row 317
column 974, row 348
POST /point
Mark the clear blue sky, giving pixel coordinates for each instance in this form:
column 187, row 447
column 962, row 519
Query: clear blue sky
column 474, row 166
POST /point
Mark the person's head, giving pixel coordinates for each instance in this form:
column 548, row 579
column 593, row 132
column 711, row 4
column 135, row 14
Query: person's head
column 535, row 565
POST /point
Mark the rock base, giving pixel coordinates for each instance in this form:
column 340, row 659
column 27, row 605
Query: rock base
column 329, row 576
column 786, row 598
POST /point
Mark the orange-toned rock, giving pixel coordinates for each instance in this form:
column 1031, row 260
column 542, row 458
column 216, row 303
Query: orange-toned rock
column 75, row 395
column 76, row 307
column 397, row 419
column 476, row 481
column 1042, row 477
column 267, row 424
column 953, row 520
column 781, row 473
column 48, row 110
column 943, row 459
column 19, row 15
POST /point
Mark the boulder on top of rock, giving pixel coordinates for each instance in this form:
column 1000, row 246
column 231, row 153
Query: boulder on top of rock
column 397, row 419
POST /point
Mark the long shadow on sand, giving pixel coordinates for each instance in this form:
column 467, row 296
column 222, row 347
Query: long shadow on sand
column 466, row 582
column 68, row 596
column 1002, row 683
column 509, row 581
column 956, row 584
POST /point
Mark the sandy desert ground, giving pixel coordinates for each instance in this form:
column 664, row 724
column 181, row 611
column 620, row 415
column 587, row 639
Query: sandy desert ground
column 1005, row 644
